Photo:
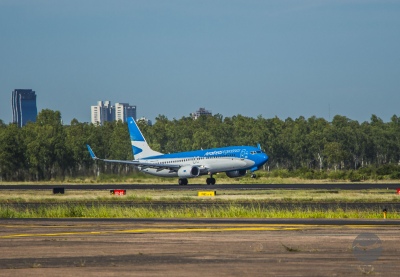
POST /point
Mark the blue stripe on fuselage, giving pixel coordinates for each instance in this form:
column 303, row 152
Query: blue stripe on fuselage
column 236, row 151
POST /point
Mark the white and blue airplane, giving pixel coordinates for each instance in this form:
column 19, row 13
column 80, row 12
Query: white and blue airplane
column 235, row 161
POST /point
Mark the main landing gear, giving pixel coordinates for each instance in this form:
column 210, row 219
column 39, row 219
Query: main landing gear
column 211, row 180
column 184, row 181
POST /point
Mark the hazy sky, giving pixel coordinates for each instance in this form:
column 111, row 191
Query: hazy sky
column 270, row 58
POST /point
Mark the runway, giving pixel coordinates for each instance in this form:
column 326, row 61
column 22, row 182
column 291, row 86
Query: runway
column 197, row 247
column 327, row 186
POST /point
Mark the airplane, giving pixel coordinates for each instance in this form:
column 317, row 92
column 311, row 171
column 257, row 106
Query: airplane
column 235, row 161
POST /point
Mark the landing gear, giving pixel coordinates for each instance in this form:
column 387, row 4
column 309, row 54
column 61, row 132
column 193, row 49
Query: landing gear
column 183, row 182
column 211, row 180
column 253, row 175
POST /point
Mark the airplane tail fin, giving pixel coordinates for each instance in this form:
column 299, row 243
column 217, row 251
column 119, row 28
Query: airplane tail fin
column 140, row 148
column 91, row 152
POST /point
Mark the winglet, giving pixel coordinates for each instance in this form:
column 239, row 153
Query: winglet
column 258, row 146
column 91, row 152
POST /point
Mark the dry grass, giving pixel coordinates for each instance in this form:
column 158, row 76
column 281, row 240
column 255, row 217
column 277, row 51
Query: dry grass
column 210, row 211
column 281, row 195
column 262, row 178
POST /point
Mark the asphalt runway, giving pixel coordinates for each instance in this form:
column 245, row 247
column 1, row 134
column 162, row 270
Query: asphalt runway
column 327, row 186
column 199, row 247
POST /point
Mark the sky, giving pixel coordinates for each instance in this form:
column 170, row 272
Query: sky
column 170, row 57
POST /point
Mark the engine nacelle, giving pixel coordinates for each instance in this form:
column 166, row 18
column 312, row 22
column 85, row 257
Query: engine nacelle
column 188, row 171
column 236, row 173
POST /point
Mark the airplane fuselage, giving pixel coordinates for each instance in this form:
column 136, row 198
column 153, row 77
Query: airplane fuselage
column 208, row 161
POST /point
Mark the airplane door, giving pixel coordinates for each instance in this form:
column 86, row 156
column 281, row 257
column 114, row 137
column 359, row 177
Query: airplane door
column 243, row 154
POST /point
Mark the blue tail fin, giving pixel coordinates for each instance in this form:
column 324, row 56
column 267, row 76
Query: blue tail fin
column 140, row 148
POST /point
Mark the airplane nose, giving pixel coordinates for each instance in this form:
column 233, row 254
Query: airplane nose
column 262, row 159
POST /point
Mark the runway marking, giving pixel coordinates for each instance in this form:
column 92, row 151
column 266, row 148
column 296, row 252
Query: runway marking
column 188, row 229
column 154, row 230
column 158, row 225
column 194, row 224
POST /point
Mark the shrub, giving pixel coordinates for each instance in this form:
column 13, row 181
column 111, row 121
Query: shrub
column 354, row 176
column 395, row 175
column 337, row 175
column 282, row 173
column 387, row 169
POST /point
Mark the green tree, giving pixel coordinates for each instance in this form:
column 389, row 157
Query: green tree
column 12, row 153
column 46, row 152
column 317, row 139
column 334, row 153
column 78, row 135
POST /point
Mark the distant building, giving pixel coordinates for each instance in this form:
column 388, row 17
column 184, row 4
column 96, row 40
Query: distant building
column 23, row 102
column 124, row 110
column 145, row 120
column 104, row 112
column 199, row 112
column 101, row 113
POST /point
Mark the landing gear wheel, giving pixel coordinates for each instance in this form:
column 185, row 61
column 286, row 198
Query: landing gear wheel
column 210, row 181
column 183, row 182
column 253, row 175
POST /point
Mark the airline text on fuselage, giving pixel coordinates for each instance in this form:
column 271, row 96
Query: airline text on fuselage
column 222, row 152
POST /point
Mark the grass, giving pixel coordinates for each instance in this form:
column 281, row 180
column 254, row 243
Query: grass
column 227, row 196
column 74, row 204
column 263, row 177
column 230, row 211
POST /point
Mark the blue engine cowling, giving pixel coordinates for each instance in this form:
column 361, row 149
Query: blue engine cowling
column 236, row 173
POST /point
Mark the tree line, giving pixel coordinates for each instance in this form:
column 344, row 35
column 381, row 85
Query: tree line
column 47, row 149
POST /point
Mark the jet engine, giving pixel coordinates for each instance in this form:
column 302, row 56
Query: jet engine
column 188, row 171
column 236, row 173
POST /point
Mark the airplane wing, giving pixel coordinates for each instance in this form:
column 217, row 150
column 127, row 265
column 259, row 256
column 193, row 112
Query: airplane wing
column 143, row 165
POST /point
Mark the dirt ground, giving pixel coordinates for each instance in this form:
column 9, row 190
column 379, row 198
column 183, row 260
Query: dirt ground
column 107, row 248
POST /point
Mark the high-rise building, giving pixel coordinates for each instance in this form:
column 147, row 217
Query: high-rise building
column 124, row 110
column 102, row 112
column 23, row 102
column 105, row 112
